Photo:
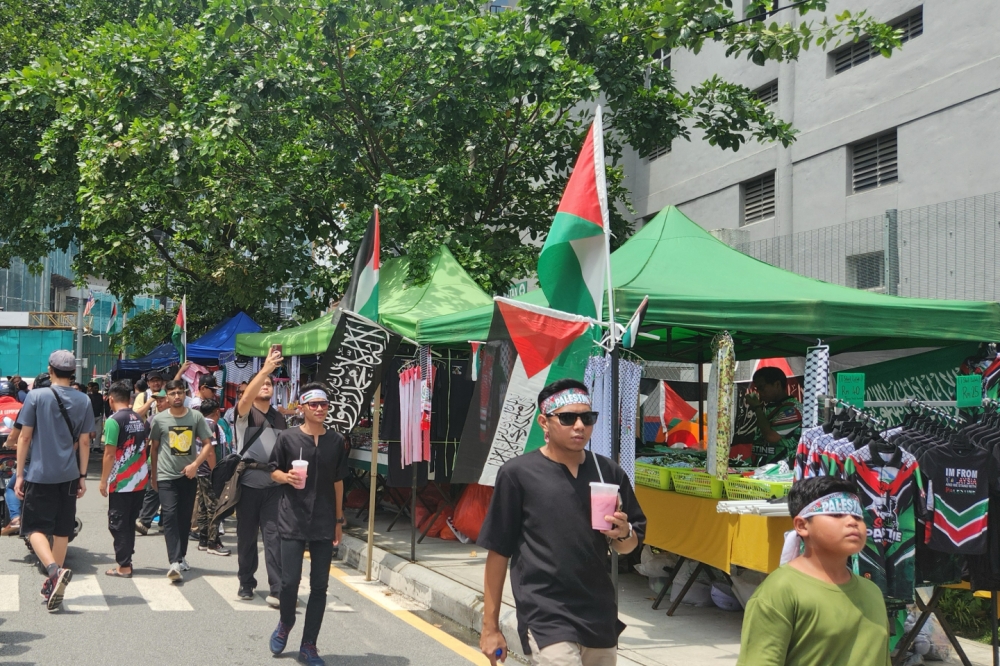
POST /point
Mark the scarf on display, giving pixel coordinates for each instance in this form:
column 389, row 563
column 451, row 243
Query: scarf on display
column 817, row 380
column 836, row 504
column 597, row 378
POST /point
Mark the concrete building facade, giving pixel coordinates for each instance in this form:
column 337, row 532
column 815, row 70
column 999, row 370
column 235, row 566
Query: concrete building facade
column 876, row 134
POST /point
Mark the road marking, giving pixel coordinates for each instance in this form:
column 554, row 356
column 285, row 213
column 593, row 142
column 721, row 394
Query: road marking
column 161, row 594
column 226, row 587
column 373, row 591
column 10, row 599
column 84, row 594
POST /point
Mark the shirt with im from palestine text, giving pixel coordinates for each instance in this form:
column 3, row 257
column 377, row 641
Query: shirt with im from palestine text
column 539, row 517
column 793, row 619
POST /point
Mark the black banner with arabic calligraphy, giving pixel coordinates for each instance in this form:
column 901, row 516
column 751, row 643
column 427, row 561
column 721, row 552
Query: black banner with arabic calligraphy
column 353, row 366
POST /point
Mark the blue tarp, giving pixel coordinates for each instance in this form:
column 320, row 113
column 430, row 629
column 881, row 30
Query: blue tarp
column 205, row 350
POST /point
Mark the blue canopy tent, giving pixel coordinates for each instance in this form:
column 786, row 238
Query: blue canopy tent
column 219, row 340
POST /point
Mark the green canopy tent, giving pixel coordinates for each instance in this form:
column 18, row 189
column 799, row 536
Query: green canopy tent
column 401, row 305
column 699, row 286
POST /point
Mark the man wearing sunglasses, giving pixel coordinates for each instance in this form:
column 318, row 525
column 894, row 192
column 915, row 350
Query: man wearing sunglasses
column 310, row 515
column 540, row 521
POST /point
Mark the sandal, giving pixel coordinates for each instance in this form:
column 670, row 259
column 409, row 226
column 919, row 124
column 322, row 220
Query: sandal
column 114, row 573
column 12, row 529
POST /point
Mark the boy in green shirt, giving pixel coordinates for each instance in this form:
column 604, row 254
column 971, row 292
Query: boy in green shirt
column 812, row 611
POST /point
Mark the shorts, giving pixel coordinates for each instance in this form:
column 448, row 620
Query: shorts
column 49, row 508
column 570, row 654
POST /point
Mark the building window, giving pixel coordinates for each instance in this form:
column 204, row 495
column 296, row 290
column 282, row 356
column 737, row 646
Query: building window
column 768, row 93
column 866, row 271
column 661, row 58
column 873, row 163
column 658, row 152
column 758, row 199
column 861, row 51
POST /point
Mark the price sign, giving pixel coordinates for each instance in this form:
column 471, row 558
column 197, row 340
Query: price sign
column 969, row 391
column 851, row 388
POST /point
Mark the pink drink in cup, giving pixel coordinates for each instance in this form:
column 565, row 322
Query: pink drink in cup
column 301, row 469
column 603, row 502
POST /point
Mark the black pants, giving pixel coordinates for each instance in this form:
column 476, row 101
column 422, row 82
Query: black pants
column 123, row 510
column 176, row 506
column 320, row 555
column 150, row 505
column 257, row 513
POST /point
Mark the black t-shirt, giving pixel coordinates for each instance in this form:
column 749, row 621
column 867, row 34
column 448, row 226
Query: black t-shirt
column 310, row 514
column 540, row 518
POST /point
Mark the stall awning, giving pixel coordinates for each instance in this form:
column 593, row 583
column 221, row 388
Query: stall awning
column 221, row 339
column 402, row 304
column 698, row 286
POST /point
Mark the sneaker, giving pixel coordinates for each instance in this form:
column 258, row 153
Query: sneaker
column 174, row 572
column 309, row 656
column 279, row 638
column 47, row 588
column 273, row 601
column 156, row 520
column 184, row 564
column 245, row 593
column 194, row 536
column 218, row 549
column 59, row 583
column 140, row 528
column 203, row 544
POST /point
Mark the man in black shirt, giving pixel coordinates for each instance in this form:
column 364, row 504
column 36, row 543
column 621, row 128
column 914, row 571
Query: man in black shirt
column 540, row 520
column 310, row 515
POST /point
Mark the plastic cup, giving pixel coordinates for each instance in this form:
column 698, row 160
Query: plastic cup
column 603, row 502
column 301, row 468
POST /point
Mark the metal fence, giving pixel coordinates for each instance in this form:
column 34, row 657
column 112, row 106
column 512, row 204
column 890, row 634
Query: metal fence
column 947, row 250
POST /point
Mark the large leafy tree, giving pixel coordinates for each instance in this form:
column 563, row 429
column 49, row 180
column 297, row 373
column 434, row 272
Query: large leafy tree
column 239, row 145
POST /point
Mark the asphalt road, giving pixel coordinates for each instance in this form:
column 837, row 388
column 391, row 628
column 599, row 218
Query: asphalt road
column 146, row 620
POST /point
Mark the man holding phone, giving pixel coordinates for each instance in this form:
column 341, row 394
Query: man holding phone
column 257, row 428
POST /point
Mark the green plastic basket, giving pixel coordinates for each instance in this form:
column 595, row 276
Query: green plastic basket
column 652, row 476
column 699, row 484
column 742, row 488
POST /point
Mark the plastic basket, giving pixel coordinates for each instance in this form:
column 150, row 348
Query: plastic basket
column 652, row 476
column 697, row 483
column 741, row 488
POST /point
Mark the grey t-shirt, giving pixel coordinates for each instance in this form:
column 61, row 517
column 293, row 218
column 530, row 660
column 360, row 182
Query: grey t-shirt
column 176, row 437
column 260, row 450
column 53, row 458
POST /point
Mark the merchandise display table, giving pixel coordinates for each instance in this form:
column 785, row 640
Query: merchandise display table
column 691, row 527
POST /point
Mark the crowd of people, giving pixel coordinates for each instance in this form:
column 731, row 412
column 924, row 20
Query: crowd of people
column 171, row 454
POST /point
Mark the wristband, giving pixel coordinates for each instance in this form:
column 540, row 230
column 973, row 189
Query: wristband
column 84, row 476
column 341, row 520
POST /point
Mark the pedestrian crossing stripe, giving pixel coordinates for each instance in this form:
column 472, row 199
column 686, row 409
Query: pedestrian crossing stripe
column 84, row 594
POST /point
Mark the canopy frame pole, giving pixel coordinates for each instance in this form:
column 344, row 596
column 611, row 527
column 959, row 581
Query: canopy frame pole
column 372, row 479
column 616, row 438
column 701, row 397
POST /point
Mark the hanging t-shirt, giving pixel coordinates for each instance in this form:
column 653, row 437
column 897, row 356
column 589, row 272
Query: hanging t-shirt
column 176, row 436
column 785, row 418
column 793, row 618
column 126, row 431
column 889, row 492
column 958, row 487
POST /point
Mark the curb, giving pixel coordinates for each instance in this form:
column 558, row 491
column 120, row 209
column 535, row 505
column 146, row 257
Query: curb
column 441, row 594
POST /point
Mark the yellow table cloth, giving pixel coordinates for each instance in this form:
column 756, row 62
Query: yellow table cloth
column 691, row 527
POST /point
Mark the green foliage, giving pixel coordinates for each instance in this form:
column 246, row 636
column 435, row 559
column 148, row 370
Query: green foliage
column 968, row 615
column 239, row 145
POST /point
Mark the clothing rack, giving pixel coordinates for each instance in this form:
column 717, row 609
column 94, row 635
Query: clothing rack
column 829, row 402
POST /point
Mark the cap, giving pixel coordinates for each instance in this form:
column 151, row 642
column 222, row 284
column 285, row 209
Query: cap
column 162, row 393
column 62, row 360
column 7, row 388
column 209, row 381
column 154, row 375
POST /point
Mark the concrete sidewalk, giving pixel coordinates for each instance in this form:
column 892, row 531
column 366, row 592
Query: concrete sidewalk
column 448, row 578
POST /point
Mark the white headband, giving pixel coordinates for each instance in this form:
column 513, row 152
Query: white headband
column 838, row 504
column 571, row 396
column 313, row 396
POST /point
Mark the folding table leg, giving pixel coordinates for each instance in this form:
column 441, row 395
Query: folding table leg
column 951, row 636
column 687, row 586
column 670, row 581
column 925, row 613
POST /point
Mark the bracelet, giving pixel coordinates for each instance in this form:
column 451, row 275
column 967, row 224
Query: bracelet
column 341, row 520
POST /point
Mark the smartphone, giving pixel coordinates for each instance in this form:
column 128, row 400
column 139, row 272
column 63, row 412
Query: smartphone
column 276, row 348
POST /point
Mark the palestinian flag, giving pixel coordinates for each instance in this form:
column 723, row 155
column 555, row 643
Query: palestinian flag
column 112, row 318
column 475, row 359
column 673, row 408
column 572, row 265
column 179, row 336
column 361, row 296
column 631, row 331
column 528, row 348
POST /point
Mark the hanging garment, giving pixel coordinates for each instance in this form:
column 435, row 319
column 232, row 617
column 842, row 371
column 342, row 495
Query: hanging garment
column 817, row 380
column 597, row 377
column 721, row 405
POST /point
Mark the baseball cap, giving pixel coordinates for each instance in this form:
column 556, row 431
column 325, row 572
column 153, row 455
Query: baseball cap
column 209, row 381
column 162, row 393
column 63, row 360
column 154, row 375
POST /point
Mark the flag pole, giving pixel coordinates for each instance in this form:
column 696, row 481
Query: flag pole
column 373, row 476
column 602, row 194
column 185, row 307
